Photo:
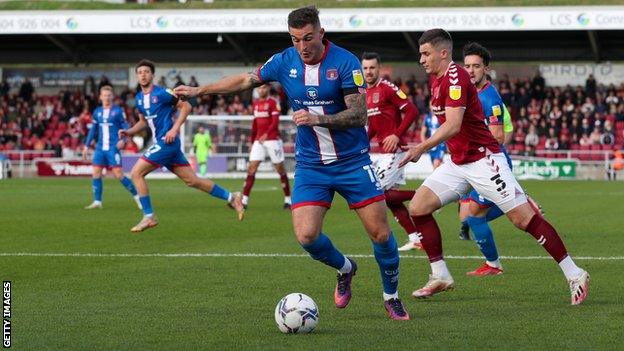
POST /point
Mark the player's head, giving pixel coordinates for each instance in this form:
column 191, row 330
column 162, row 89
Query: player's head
column 145, row 70
column 263, row 91
column 371, row 65
column 477, row 62
column 306, row 33
column 436, row 50
column 106, row 95
column 200, row 129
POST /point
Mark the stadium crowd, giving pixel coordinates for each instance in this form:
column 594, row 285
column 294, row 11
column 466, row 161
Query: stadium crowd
column 545, row 118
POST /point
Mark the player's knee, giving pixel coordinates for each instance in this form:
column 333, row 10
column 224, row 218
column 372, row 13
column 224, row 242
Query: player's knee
column 417, row 209
column 306, row 237
column 192, row 182
column 380, row 235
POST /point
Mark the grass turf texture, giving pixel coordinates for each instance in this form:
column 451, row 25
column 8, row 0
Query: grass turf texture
column 228, row 302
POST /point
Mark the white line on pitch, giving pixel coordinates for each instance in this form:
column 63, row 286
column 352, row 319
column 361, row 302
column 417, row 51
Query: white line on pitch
column 259, row 255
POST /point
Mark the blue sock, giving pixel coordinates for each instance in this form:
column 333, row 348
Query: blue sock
column 493, row 213
column 97, row 189
column 483, row 237
column 323, row 250
column 387, row 257
column 220, row 193
column 127, row 183
column 146, row 203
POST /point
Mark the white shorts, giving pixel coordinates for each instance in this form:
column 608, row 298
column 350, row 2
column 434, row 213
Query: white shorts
column 388, row 171
column 274, row 148
column 489, row 176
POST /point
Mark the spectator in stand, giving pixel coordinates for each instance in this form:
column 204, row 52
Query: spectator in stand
column 531, row 140
column 552, row 142
column 588, row 106
column 26, row 90
column 590, row 85
column 594, row 136
column 4, row 88
column 193, row 82
column 607, row 137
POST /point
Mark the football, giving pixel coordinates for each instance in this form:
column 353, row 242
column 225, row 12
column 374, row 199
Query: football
column 296, row 313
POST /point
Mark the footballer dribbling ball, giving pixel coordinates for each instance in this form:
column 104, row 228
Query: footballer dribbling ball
column 296, row 313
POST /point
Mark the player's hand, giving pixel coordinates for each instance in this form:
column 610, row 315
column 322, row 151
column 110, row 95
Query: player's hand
column 120, row 145
column 85, row 152
column 122, row 133
column 305, row 118
column 390, row 143
column 171, row 135
column 186, row 91
column 263, row 138
column 412, row 155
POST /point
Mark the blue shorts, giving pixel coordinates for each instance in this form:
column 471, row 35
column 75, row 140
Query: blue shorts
column 107, row 159
column 355, row 180
column 162, row 154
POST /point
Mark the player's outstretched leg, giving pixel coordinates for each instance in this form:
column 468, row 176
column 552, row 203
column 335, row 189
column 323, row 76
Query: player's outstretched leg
column 525, row 218
column 138, row 173
column 425, row 202
column 386, row 252
column 127, row 183
column 484, row 238
column 188, row 176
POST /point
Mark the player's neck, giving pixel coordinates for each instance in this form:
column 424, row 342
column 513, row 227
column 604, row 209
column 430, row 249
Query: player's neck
column 374, row 84
column 444, row 65
column 147, row 89
column 107, row 107
column 481, row 85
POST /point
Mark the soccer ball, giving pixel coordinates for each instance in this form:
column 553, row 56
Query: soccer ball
column 296, row 313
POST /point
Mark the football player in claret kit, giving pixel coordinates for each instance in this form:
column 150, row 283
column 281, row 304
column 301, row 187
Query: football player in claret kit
column 108, row 119
column 325, row 88
column 265, row 139
column 476, row 162
column 157, row 108
column 390, row 114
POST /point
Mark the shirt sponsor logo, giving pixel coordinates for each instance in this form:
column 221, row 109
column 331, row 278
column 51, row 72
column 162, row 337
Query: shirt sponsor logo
column 331, row 74
column 358, row 79
column 455, row 92
column 312, row 93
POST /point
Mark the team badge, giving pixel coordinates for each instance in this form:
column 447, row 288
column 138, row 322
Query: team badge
column 154, row 99
column 455, row 92
column 401, row 94
column 358, row 79
column 375, row 98
column 331, row 74
column 496, row 110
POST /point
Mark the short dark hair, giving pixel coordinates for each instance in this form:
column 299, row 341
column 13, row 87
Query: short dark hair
column 301, row 17
column 371, row 56
column 146, row 63
column 435, row 37
column 478, row 50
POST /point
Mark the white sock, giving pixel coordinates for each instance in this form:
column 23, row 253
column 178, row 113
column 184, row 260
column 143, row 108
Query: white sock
column 97, row 202
column 387, row 297
column 136, row 197
column 570, row 269
column 347, row 267
column 414, row 237
column 495, row 264
column 245, row 199
column 439, row 269
column 287, row 199
column 149, row 215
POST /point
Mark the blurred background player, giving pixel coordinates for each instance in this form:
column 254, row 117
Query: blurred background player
column 390, row 114
column 108, row 119
column 157, row 106
column 265, row 138
column 429, row 126
column 203, row 144
column 476, row 162
column 325, row 87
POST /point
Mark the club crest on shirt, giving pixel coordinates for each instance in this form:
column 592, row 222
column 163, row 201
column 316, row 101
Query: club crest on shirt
column 455, row 92
column 358, row 79
column 331, row 74
column 375, row 98
column 154, row 99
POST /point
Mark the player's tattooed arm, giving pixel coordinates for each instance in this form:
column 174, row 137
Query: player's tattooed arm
column 353, row 117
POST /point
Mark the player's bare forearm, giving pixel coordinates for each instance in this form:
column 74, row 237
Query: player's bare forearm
column 354, row 116
column 497, row 132
column 137, row 127
column 232, row 84
column 448, row 129
column 185, row 110
column 508, row 136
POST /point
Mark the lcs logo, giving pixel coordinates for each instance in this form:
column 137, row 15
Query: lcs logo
column 312, row 93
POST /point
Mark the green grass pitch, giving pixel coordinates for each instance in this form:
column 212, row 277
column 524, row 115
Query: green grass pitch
column 142, row 301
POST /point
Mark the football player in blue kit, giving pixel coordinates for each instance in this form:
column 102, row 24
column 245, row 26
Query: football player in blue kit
column 108, row 119
column 157, row 107
column 325, row 88
column 429, row 126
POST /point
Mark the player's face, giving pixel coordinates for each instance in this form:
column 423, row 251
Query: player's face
column 430, row 58
column 144, row 76
column 309, row 42
column 106, row 96
column 263, row 91
column 475, row 67
column 371, row 71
